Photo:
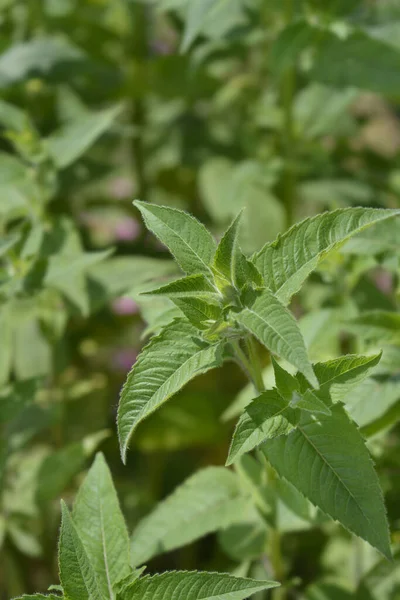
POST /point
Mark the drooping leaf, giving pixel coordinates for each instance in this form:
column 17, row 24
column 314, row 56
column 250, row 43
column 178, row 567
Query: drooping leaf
column 77, row 575
column 378, row 325
column 194, row 586
column 209, row 500
column 165, row 365
column 66, row 145
column 193, row 286
column 327, row 461
column 187, row 239
column 384, row 237
column 101, row 527
column 286, row 263
column 266, row 417
column 277, row 329
column 285, row 382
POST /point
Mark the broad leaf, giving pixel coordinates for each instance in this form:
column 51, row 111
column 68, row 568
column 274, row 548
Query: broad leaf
column 209, row 500
column 382, row 582
column 77, row 575
column 38, row 57
column 382, row 326
column 372, row 399
column 277, row 329
column 101, row 527
column 266, row 417
column 177, row 585
column 310, row 402
column 66, row 145
column 193, row 286
column 327, row 461
column 165, row 365
column 187, row 239
column 212, row 17
column 286, row 263
column 369, row 63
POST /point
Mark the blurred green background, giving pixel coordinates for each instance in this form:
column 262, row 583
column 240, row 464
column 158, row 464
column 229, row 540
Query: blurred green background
column 287, row 108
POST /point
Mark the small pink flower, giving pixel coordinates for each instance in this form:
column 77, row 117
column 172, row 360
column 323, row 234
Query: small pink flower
column 123, row 359
column 125, row 306
column 127, row 230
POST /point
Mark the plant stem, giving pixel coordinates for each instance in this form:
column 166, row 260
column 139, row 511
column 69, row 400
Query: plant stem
column 288, row 91
column 255, row 365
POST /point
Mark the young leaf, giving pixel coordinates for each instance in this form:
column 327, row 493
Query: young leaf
column 177, row 585
column 209, row 500
column 264, row 418
column 101, row 527
column 277, row 329
column 187, row 239
column 39, row 597
column 227, row 252
column 284, row 381
column 66, row 145
column 165, row 365
column 327, row 461
column 77, row 575
column 200, row 313
column 286, row 263
column 193, row 286
column 128, row 580
column 310, row 402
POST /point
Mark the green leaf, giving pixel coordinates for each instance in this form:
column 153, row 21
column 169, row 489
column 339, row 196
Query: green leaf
column 194, row 586
column 165, row 365
column 77, row 575
column 209, row 500
column 226, row 254
column 199, row 312
column 369, row 63
column 277, row 329
column 310, row 402
column 372, row 399
column 381, row 326
column 128, row 580
column 101, row 527
column 212, row 17
column 38, row 597
column 341, row 375
column 266, row 417
column 382, row 581
column 284, row 381
column 187, row 239
column 66, row 145
column 288, row 45
column 193, row 286
column 38, row 57
column 327, row 461
column 384, row 237
column 286, row 263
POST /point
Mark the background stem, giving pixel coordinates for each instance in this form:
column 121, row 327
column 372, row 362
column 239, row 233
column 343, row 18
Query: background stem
column 287, row 95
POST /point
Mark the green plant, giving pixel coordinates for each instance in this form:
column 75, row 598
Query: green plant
column 228, row 302
column 94, row 556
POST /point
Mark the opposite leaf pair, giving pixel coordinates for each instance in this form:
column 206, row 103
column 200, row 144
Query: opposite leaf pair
column 228, row 298
column 94, row 556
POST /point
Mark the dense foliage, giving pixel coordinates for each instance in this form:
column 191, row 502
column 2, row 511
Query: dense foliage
column 253, row 375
